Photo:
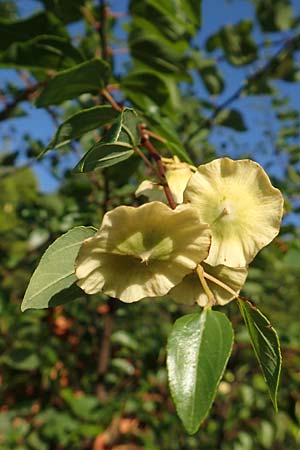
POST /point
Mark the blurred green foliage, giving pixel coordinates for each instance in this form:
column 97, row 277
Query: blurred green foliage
column 54, row 392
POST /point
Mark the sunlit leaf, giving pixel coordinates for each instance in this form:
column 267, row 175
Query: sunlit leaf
column 55, row 272
column 198, row 350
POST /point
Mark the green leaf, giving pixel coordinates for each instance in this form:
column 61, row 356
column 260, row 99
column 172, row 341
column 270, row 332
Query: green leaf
column 292, row 259
column 212, row 79
column 80, row 123
column 22, row 358
column 274, row 15
column 151, row 91
column 236, row 42
column 199, row 347
column 265, row 342
column 67, row 10
column 41, row 52
column 130, row 127
column 283, row 67
column 82, row 406
column 149, row 45
column 231, row 118
column 176, row 20
column 88, row 77
column 209, row 73
column 164, row 127
column 104, row 155
column 117, row 144
column 25, row 29
column 55, row 272
column 192, row 9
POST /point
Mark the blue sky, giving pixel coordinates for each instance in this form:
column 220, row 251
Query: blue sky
column 214, row 13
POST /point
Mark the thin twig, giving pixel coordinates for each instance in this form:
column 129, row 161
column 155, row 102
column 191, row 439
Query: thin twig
column 161, row 170
column 287, row 47
column 220, row 283
column 146, row 160
column 102, row 30
column 23, row 95
column 111, row 100
column 157, row 137
column 208, row 292
column 90, row 18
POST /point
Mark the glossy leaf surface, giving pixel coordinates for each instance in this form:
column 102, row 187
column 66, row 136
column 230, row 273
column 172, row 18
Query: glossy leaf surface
column 117, row 144
column 198, row 350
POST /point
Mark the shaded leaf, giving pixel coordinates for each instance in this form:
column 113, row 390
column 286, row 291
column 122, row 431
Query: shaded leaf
column 164, row 127
column 237, row 43
column 292, row 259
column 55, row 271
column 284, row 68
column 258, row 86
column 80, row 123
column 33, row 26
column 66, row 295
column 149, row 90
column 67, row 10
column 212, row 79
column 88, row 77
column 176, row 20
column 149, row 45
column 199, row 347
column 209, row 73
column 82, row 406
column 22, row 358
column 274, row 15
column 41, row 52
column 265, row 342
column 231, row 118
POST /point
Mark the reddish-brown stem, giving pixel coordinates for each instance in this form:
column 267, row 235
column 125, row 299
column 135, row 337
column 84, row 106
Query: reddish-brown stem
column 110, row 99
column 112, row 87
column 161, row 170
column 89, row 17
column 156, row 136
column 146, row 160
